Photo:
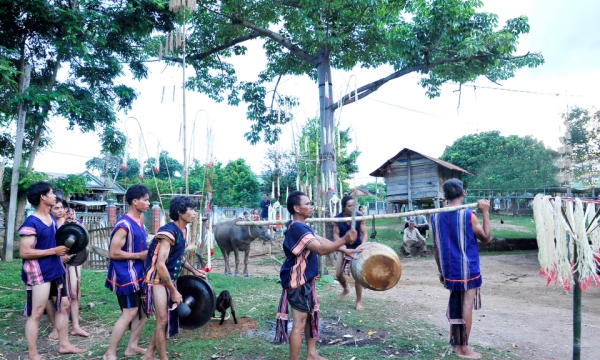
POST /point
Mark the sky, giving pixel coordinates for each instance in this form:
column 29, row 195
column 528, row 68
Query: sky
column 399, row 115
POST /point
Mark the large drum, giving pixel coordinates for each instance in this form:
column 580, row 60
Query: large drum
column 377, row 267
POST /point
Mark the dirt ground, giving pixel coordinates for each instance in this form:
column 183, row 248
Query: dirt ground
column 519, row 313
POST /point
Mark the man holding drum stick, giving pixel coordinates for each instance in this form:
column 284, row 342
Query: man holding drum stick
column 456, row 252
column 301, row 246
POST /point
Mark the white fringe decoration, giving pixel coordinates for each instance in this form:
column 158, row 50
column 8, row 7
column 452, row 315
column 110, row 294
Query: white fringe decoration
column 564, row 271
column 560, row 230
column 585, row 264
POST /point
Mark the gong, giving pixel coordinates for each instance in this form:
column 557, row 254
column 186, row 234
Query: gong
column 76, row 238
column 199, row 296
column 73, row 236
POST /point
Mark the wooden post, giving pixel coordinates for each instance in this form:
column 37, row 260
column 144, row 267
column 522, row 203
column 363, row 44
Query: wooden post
column 409, row 181
column 576, row 311
column 14, row 183
column 193, row 241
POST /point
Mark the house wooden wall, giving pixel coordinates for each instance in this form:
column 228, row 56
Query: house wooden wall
column 426, row 179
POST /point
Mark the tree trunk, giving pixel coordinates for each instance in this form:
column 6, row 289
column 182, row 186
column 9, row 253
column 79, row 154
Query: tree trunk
column 3, row 201
column 328, row 165
column 14, row 183
column 21, row 204
column 36, row 142
column 40, row 129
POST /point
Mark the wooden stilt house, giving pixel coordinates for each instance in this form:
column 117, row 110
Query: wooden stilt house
column 413, row 178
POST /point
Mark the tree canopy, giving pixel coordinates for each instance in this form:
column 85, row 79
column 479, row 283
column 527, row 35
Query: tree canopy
column 441, row 40
column 581, row 150
column 92, row 40
column 503, row 163
column 235, row 185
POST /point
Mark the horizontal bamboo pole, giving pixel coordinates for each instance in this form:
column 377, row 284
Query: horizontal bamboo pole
column 366, row 217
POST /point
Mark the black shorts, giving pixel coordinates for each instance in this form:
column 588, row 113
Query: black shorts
column 54, row 289
column 301, row 298
column 130, row 301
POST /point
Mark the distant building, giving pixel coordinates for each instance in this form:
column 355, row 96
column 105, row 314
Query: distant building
column 413, row 178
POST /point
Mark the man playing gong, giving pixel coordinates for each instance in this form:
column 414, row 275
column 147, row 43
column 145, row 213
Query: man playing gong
column 339, row 230
column 163, row 265
column 42, row 271
column 127, row 252
column 455, row 237
column 301, row 246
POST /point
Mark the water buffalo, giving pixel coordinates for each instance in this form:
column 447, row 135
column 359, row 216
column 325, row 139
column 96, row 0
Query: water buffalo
column 231, row 237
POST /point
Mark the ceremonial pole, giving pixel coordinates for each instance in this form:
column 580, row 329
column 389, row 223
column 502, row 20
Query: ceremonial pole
column 576, row 311
column 185, row 159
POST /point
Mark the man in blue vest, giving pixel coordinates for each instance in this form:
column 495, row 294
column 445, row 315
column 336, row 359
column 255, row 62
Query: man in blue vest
column 339, row 231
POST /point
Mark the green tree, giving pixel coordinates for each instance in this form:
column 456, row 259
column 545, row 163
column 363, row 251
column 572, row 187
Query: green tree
column 442, row 40
column 282, row 165
column 235, row 185
column 168, row 167
column 375, row 188
column 71, row 184
column 309, row 151
column 92, row 40
column 503, row 163
column 582, row 144
column 302, row 161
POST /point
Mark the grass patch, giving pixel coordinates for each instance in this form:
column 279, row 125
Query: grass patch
column 253, row 297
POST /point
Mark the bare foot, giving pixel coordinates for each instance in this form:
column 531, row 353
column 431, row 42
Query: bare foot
column 35, row 356
column 134, row 351
column 69, row 349
column 315, row 357
column 359, row 306
column 79, row 332
column 53, row 334
column 467, row 353
column 109, row 357
column 343, row 293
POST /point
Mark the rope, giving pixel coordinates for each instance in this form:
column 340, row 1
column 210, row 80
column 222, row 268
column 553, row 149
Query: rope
column 373, row 231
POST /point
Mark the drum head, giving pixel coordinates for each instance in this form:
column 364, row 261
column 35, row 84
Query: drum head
column 205, row 300
column 75, row 231
column 377, row 267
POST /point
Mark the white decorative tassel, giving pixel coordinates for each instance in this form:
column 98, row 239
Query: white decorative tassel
column 273, row 190
column 157, row 160
column 585, row 264
column 544, row 224
column 141, row 157
column 126, row 155
column 564, row 273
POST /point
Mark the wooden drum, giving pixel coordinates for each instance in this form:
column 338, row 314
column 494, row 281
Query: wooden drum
column 377, row 267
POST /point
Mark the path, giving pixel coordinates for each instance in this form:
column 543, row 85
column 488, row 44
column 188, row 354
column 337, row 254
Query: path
column 520, row 313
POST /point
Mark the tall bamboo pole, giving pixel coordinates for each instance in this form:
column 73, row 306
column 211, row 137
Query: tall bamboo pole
column 364, row 218
column 185, row 159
